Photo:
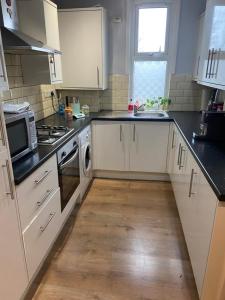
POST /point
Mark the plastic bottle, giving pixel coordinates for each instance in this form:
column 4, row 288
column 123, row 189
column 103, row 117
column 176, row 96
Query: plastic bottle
column 131, row 106
column 136, row 105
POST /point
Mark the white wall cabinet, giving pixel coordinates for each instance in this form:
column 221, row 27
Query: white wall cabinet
column 196, row 204
column 83, row 39
column 12, row 260
column 3, row 73
column 136, row 147
column 42, row 26
column 213, row 45
column 41, row 69
column 198, row 68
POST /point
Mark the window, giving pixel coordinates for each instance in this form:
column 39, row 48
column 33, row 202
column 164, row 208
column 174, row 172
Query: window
column 154, row 48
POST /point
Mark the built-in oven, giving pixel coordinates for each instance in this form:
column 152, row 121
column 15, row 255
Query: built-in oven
column 68, row 170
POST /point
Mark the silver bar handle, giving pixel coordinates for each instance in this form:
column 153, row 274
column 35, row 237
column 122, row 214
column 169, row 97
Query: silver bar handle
column 52, row 61
column 173, row 139
column 47, row 194
column 214, row 63
column 199, row 57
column 11, row 192
column 191, row 183
column 70, row 160
column 134, row 133
column 3, row 138
column 98, row 79
column 218, row 60
column 181, row 157
column 178, row 157
column 121, row 131
column 211, row 63
column 207, row 68
column 46, row 173
column 3, row 65
column 51, row 216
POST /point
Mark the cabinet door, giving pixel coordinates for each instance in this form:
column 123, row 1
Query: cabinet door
column 214, row 44
column 110, row 146
column 148, row 147
column 200, row 213
column 55, row 68
column 12, row 262
column 171, row 149
column 81, row 45
column 3, row 138
column 3, row 74
column 199, row 53
column 51, row 24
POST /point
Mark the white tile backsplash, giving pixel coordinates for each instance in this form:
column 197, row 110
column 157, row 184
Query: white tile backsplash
column 37, row 95
column 184, row 93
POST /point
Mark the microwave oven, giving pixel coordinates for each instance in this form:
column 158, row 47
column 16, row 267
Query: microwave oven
column 21, row 132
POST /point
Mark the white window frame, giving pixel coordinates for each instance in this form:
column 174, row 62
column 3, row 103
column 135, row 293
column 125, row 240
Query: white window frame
column 170, row 53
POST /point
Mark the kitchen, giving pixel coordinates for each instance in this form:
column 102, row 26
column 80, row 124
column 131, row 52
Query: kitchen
column 112, row 149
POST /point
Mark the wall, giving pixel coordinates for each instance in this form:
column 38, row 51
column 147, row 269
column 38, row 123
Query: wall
column 37, row 95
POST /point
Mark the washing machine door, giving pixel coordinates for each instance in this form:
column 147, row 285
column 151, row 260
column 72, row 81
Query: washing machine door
column 87, row 160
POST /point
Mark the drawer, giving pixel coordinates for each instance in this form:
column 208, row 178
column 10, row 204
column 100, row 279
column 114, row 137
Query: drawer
column 42, row 232
column 33, row 193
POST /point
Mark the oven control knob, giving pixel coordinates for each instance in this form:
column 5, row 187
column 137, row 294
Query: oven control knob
column 74, row 144
column 63, row 154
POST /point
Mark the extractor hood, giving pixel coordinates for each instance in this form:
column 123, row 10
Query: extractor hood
column 15, row 41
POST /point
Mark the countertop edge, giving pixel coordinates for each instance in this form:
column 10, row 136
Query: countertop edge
column 19, row 179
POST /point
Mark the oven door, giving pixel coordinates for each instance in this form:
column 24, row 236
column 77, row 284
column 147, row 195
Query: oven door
column 18, row 133
column 69, row 176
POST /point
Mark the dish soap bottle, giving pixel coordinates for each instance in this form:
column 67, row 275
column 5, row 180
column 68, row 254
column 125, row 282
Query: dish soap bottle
column 131, row 106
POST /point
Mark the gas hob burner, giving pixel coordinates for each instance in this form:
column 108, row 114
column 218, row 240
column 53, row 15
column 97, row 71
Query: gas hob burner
column 50, row 135
column 44, row 140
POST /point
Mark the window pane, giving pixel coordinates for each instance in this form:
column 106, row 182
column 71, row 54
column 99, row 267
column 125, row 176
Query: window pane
column 149, row 80
column 152, row 29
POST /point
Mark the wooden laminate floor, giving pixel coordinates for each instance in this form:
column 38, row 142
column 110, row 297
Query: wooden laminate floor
column 125, row 243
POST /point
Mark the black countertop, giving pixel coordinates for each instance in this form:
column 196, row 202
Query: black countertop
column 209, row 155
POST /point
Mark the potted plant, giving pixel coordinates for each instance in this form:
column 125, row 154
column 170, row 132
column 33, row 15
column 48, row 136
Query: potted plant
column 164, row 103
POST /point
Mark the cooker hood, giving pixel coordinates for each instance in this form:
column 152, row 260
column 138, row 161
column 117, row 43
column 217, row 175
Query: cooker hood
column 15, row 41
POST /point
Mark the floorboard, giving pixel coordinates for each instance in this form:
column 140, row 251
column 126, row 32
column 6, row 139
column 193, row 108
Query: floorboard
column 125, row 243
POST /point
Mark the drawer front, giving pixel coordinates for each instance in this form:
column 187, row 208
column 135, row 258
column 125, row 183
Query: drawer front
column 35, row 191
column 40, row 235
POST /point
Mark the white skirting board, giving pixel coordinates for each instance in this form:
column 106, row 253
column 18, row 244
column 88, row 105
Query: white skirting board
column 131, row 175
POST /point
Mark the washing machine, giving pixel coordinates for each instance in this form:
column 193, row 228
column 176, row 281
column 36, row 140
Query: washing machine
column 85, row 160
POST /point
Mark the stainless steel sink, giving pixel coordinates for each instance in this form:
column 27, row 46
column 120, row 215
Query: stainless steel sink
column 151, row 114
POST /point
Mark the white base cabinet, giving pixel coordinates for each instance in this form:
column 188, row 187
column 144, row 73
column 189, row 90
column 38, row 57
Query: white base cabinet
column 41, row 234
column 110, row 146
column 131, row 146
column 13, row 273
column 196, row 204
column 148, row 147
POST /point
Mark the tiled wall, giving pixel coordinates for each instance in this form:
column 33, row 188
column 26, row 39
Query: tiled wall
column 114, row 98
column 184, row 93
column 39, row 96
